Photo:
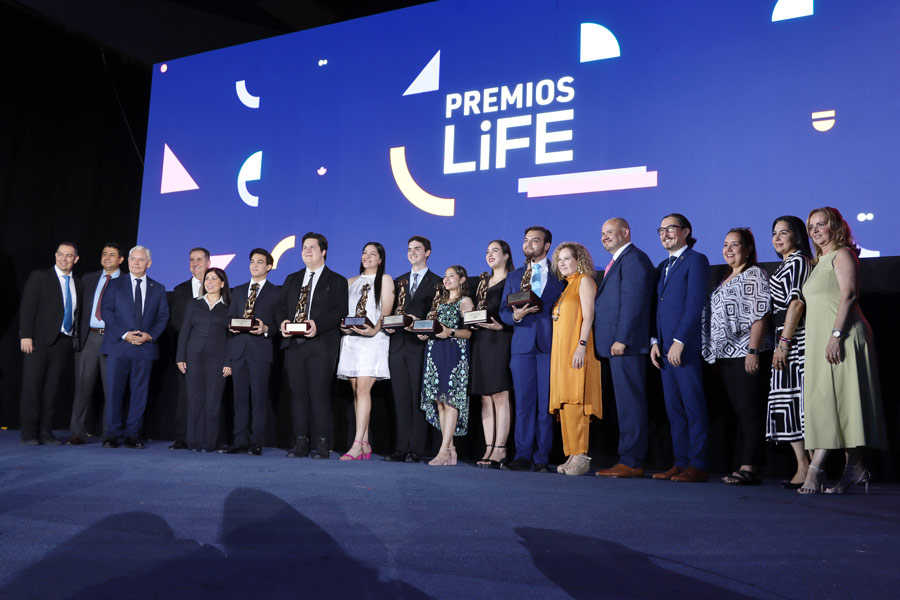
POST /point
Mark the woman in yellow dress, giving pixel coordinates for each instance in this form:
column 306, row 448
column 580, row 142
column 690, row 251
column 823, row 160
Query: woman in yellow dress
column 574, row 370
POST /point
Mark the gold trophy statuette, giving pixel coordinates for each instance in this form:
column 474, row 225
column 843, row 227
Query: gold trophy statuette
column 525, row 296
column 300, row 325
column 430, row 325
column 400, row 318
column 480, row 314
column 360, row 320
column 247, row 322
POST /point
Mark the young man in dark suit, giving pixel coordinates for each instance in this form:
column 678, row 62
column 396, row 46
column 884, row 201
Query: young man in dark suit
column 251, row 355
column 183, row 293
column 622, row 338
column 135, row 312
column 310, row 359
column 682, row 282
column 407, row 353
column 89, row 361
column 529, row 360
column 48, row 334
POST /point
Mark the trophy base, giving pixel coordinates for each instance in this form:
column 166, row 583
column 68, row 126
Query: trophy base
column 242, row 325
column 426, row 327
column 353, row 322
column 475, row 317
column 523, row 298
column 301, row 328
column 396, row 321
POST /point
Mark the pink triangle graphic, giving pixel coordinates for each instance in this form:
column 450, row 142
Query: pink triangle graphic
column 175, row 177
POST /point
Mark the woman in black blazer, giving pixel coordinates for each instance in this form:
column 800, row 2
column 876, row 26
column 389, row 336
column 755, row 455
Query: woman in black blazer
column 202, row 357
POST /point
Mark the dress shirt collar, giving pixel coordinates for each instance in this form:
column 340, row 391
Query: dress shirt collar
column 219, row 301
column 680, row 251
column 619, row 252
column 196, row 288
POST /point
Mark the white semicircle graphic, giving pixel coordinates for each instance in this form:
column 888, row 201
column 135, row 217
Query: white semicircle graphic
column 792, row 9
column 250, row 171
column 435, row 205
column 246, row 98
column 598, row 43
column 282, row 247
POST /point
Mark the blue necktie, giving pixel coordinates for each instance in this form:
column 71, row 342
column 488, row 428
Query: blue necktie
column 537, row 286
column 67, row 315
column 415, row 285
column 672, row 260
column 138, row 305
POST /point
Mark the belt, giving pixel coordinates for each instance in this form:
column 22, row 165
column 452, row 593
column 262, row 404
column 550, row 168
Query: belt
column 97, row 330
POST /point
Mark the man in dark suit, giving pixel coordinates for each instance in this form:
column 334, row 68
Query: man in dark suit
column 311, row 359
column 183, row 293
column 48, row 333
column 407, row 353
column 251, row 355
column 681, row 290
column 89, row 361
column 135, row 312
column 530, row 353
column 622, row 338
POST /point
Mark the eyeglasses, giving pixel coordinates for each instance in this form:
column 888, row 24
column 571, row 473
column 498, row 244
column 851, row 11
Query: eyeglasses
column 668, row 229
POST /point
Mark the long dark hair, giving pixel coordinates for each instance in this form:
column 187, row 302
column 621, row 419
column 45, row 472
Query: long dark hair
column 226, row 289
column 684, row 224
column 797, row 227
column 463, row 285
column 379, row 274
column 504, row 248
column 748, row 243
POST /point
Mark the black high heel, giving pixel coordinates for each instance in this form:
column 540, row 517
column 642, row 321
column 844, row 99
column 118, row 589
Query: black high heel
column 496, row 464
column 486, row 461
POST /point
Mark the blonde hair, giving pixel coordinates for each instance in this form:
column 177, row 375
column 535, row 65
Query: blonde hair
column 582, row 257
column 840, row 229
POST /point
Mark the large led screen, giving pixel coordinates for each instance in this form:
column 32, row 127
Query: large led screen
column 466, row 121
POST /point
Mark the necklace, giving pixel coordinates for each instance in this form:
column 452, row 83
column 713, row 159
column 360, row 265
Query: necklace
column 555, row 314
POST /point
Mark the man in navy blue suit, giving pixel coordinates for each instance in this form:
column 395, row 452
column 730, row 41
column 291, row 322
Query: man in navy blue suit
column 530, row 354
column 682, row 281
column 251, row 355
column 135, row 313
column 622, row 337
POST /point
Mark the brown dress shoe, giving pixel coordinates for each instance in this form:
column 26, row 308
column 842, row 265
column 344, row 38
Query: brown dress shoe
column 692, row 475
column 75, row 440
column 668, row 474
column 621, row 471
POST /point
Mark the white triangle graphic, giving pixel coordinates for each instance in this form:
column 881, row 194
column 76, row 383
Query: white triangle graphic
column 175, row 177
column 429, row 79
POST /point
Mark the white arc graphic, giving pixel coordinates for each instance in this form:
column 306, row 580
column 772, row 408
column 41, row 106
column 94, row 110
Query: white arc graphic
column 246, row 98
column 250, row 171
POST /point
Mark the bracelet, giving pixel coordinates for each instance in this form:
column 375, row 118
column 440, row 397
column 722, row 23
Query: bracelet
column 785, row 340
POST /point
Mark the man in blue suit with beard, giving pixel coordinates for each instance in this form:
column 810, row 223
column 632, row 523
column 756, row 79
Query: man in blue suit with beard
column 530, row 354
column 622, row 338
column 682, row 282
column 135, row 312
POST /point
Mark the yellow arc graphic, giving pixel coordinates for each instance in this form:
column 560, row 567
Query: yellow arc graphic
column 435, row 205
column 281, row 247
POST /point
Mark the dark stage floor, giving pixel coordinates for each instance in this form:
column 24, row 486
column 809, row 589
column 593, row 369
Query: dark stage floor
column 87, row 522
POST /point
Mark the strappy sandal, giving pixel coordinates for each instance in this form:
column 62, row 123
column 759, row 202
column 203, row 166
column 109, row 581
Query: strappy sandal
column 742, row 477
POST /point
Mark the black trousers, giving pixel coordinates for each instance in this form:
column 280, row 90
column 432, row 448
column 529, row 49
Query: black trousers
column 181, row 409
column 406, row 385
column 89, row 362
column 748, row 395
column 310, row 377
column 251, row 400
column 42, row 371
column 205, row 385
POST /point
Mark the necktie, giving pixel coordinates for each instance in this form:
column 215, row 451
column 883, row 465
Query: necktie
column 415, row 285
column 309, row 284
column 537, row 285
column 672, row 260
column 138, row 304
column 67, row 315
column 251, row 301
column 608, row 265
column 100, row 298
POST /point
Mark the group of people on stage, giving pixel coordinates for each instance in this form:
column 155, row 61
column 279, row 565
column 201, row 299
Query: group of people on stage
column 796, row 343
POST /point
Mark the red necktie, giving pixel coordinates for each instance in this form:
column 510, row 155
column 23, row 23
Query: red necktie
column 100, row 299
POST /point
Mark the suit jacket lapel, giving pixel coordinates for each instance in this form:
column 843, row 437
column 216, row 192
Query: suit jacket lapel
column 674, row 268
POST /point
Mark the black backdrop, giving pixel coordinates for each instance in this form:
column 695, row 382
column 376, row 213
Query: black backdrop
column 73, row 131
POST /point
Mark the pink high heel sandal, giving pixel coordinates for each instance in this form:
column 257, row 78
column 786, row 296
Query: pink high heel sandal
column 361, row 456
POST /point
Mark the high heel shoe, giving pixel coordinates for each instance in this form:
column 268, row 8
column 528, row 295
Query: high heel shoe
column 486, row 461
column 562, row 468
column 361, row 456
column 366, row 455
column 442, row 459
column 817, row 485
column 452, row 455
column 853, row 475
column 497, row 464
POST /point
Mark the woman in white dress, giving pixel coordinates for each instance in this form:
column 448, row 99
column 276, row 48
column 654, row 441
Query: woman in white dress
column 364, row 350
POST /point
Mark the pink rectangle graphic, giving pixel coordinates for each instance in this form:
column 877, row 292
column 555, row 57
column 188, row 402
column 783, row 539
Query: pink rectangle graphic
column 595, row 183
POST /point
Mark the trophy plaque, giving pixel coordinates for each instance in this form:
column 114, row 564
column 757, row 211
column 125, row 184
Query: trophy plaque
column 480, row 314
column 400, row 318
column 359, row 320
column 430, row 325
column 300, row 326
column 247, row 322
column 526, row 296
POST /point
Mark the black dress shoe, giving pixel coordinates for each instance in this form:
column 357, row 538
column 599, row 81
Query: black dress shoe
column 541, row 468
column 301, row 447
column 233, row 449
column 178, row 445
column 29, row 442
column 520, row 464
column 396, row 457
column 254, row 450
column 321, row 450
column 110, row 443
column 791, row 486
column 412, row 457
column 48, row 439
column 134, row 443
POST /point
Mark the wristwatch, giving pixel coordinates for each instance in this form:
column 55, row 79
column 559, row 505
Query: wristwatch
column 752, row 351
column 837, row 333
column 452, row 333
column 582, row 343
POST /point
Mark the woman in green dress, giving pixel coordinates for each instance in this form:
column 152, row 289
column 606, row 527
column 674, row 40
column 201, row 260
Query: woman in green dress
column 842, row 396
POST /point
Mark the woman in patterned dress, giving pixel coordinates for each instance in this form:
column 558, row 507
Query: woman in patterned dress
column 784, row 414
column 364, row 350
column 445, row 380
column 736, row 336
